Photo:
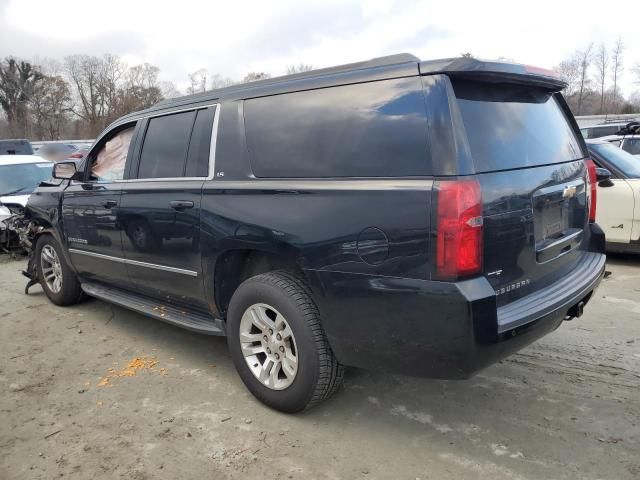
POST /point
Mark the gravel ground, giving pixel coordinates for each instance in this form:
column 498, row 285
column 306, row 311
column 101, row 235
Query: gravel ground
column 96, row 391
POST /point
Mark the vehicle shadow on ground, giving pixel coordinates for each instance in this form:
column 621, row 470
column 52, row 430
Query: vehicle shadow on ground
column 629, row 259
column 428, row 405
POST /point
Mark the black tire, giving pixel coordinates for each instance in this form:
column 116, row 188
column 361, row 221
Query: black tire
column 319, row 374
column 71, row 292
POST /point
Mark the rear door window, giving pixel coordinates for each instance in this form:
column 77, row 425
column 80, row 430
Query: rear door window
column 512, row 127
column 164, row 150
column 374, row 129
column 200, row 145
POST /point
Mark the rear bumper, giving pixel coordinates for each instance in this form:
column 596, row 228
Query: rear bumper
column 438, row 329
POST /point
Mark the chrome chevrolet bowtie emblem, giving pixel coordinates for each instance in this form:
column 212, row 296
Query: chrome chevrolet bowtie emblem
column 569, row 192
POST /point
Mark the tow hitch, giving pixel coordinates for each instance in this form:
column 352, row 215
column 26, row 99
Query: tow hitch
column 576, row 311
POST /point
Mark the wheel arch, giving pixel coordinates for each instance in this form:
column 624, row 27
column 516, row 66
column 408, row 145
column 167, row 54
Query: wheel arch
column 234, row 266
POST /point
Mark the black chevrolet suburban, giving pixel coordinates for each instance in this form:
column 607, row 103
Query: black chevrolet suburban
column 422, row 217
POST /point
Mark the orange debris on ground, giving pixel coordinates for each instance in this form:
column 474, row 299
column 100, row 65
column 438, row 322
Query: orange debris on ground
column 131, row 369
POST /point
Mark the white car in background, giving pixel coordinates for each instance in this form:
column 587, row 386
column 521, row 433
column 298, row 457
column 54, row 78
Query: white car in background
column 20, row 175
column 618, row 204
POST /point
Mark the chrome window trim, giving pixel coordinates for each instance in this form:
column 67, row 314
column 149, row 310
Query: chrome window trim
column 134, row 262
column 212, row 145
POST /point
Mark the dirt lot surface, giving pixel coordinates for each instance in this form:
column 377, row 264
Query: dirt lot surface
column 95, row 391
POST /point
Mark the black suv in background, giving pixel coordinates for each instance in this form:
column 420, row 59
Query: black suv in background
column 427, row 218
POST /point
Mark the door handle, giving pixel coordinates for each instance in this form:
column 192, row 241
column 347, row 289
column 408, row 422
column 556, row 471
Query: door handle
column 109, row 203
column 181, row 204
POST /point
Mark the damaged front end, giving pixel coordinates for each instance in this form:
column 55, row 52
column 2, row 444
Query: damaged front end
column 17, row 228
column 17, row 237
column 17, row 233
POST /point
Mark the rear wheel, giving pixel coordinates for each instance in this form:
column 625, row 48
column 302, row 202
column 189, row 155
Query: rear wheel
column 58, row 281
column 278, row 345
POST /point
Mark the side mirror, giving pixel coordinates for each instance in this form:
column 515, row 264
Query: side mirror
column 64, row 170
column 604, row 177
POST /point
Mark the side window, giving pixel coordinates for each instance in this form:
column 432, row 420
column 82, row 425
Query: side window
column 375, row 129
column 164, row 150
column 200, row 145
column 109, row 163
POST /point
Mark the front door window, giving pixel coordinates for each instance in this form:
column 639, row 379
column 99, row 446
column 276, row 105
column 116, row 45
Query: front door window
column 111, row 159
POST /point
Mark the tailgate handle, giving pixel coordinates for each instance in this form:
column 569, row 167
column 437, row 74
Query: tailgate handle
column 551, row 249
column 181, row 204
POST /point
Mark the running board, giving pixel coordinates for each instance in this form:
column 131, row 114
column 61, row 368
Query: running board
column 194, row 321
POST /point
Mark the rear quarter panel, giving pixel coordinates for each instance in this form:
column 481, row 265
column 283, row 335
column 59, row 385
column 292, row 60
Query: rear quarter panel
column 370, row 227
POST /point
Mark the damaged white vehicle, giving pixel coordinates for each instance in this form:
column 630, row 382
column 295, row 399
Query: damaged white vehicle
column 20, row 175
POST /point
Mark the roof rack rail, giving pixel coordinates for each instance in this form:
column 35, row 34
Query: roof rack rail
column 384, row 61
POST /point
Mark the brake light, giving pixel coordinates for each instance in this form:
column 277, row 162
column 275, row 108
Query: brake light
column 541, row 71
column 593, row 188
column 460, row 229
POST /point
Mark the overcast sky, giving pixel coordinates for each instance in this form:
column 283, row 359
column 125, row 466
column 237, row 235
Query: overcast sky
column 234, row 37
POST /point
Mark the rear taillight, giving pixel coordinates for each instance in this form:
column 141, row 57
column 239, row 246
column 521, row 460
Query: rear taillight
column 593, row 188
column 76, row 155
column 460, row 229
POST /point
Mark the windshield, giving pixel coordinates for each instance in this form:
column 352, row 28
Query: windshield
column 627, row 164
column 23, row 178
column 632, row 145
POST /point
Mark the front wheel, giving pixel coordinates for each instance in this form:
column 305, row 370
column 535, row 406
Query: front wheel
column 278, row 345
column 58, row 281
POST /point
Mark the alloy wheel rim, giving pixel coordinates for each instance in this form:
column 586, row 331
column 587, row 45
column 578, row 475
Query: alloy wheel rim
column 51, row 268
column 268, row 346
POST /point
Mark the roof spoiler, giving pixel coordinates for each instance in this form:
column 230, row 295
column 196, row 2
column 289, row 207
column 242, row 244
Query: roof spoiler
column 494, row 72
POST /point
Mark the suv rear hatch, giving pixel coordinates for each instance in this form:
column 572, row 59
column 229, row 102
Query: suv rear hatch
column 533, row 178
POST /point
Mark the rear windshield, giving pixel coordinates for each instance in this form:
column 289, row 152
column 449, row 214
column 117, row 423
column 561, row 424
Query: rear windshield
column 514, row 126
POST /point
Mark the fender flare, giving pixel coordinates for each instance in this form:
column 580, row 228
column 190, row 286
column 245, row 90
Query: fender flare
column 55, row 233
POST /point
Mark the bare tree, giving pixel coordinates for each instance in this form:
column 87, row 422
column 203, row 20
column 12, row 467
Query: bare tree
column 144, row 76
column 18, row 80
column 569, row 71
column 50, row 106
column 255, row 76
column 585, row 58
column 84, row 72
column 218, row 81
column 96, row 84
column 169, row 90
column 301, row 67
column 198, row 81
column 112, row 72
column 140, row 89
column 602, row 68
column 616, row 68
